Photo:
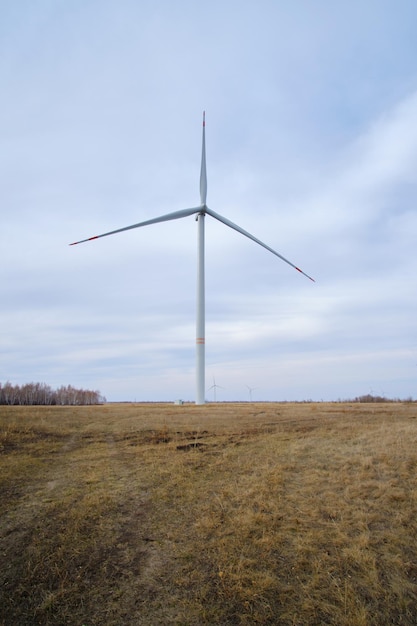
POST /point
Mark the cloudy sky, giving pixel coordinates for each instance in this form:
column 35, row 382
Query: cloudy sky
column 311, row 146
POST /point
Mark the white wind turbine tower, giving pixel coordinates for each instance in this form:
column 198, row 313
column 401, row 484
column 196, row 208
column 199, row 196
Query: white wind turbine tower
column 200, row 212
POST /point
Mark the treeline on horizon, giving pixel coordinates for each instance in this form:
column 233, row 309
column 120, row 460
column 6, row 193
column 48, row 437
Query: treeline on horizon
column 41, row 394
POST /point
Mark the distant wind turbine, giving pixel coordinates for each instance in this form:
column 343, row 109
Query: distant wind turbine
column 250, row 389
column 214, row 387
column 200, row 212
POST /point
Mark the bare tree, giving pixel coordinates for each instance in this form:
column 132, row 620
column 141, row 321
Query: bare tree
column 42, row 394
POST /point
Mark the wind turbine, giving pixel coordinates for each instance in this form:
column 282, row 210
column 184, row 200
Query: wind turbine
column 200, row 212
column 214, row 387
column 250, row 389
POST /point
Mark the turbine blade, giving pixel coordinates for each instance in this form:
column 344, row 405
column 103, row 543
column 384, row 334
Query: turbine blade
column 203, row 172
column 240, row 230
column 163, row 218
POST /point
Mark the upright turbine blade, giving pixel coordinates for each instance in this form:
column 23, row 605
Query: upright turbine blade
column 176, row 215
column 258, row 241
column 203, row 172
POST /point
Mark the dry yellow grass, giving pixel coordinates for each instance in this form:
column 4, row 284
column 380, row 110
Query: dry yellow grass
column 226, row 514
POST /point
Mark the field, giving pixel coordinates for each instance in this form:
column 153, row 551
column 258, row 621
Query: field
column 224, row 514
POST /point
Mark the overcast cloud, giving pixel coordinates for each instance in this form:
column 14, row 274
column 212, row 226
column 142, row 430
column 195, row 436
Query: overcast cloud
column 311, row 146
